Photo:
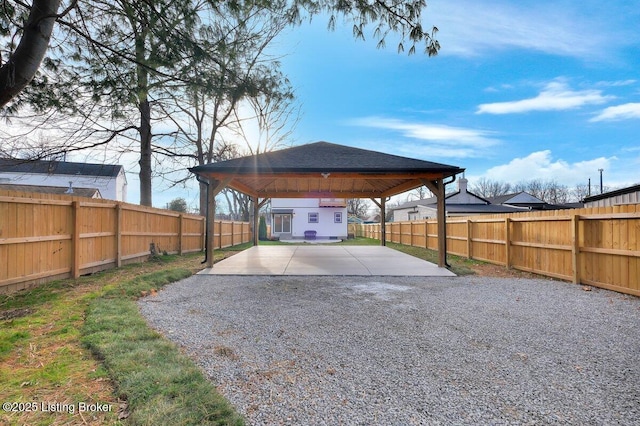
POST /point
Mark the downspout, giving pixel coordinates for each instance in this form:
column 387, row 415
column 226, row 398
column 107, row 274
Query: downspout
column 206, row 231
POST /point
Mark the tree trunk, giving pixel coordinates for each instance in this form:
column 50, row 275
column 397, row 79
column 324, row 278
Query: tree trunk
column 145, row 153
column 144, row 107
column 23, row 64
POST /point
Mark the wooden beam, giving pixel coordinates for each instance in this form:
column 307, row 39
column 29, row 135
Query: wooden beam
column 245, row 189
column 256, row 220
column 263, row 202
column 407, row 186
column 383, row 222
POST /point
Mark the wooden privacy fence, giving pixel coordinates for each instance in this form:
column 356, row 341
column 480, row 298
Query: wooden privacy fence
column 45, row 237
column 597, row 246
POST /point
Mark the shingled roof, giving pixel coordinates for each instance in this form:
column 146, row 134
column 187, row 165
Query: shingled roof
column 324, row 169
column 326, row 157
column 59, row 167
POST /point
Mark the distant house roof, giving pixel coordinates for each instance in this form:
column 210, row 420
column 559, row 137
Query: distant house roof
column 78, row 192
column 611, row 194
column 507, row 203
column 59, row 167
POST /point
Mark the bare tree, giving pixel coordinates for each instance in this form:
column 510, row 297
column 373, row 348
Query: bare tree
column 358, row 207
column 420, row 193
column 487, row 188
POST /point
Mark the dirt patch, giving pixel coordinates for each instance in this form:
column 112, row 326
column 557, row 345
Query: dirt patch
column 15, row 313
column 490, row 270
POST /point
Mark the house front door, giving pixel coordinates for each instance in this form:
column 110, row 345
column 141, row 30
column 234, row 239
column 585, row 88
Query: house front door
column 282, row 223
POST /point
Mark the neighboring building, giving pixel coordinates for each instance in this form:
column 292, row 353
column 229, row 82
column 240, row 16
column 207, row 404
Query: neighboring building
column 61, row 190
column 109, row 180
column 292, row 217
column 465, row 203
column 630, row 195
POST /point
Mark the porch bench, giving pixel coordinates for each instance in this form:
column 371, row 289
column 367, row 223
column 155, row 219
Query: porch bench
column 310, row 235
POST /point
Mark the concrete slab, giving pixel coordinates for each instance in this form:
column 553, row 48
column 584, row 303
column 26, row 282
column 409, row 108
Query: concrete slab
column 325, row 260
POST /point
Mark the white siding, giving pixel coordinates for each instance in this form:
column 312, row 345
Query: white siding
column 326, row 226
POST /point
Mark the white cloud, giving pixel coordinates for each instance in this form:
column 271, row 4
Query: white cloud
column 436, row 140
column 542, row 165
column 619, row 112
column 616, row 83
column 555, row 96
column 584, row 30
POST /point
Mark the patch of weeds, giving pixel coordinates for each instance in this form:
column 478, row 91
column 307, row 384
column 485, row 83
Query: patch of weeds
column 225, row 352
column 144, row 284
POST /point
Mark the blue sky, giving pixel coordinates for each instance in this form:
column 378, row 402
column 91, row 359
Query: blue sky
column 520, row 90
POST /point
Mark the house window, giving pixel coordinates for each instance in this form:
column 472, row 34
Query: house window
column 413, row 216
column 282, row 223
column 337, row 217
column 313, row 217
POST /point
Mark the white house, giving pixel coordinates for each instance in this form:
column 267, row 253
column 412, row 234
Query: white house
column 108, row 179
column 310, row 218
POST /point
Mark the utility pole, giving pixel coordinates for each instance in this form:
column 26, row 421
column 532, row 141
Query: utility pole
column 601, row 170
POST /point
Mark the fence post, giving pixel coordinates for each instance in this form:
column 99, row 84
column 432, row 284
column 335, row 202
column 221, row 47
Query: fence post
column 220, row 236
column 507, row 241
column 233, row 232
column 469, row 238
column 118, row 235
column 180, row 232
column 575, row 247
column 75, row 268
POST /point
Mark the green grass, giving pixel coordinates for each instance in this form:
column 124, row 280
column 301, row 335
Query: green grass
column 159, row 383
column 84, row 340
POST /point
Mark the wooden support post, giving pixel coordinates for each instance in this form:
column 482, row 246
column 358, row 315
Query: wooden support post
column 256, row 220
column 442, row 225
column 383, row 221
column 118, row 235
column 437, row 187
column 75, row 243
column 575, row 247
column 213, row 189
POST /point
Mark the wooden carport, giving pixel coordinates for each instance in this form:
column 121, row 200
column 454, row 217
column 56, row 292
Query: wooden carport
column 326, row 170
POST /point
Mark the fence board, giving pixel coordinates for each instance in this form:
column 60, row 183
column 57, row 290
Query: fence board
column 597, row 246
column 39, row 238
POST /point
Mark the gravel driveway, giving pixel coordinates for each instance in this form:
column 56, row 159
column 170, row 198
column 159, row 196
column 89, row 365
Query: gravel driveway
column 403, row 351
